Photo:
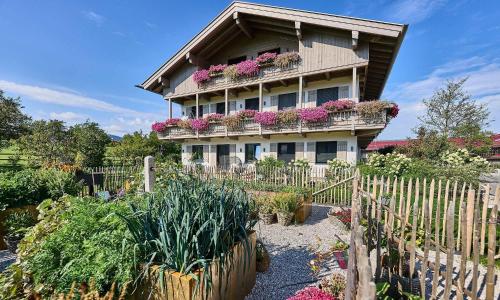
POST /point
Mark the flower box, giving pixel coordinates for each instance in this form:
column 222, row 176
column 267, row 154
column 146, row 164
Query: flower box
column 304, row 211
column 234, row 284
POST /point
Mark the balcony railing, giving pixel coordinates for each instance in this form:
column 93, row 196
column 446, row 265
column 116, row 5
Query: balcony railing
column 337, row 121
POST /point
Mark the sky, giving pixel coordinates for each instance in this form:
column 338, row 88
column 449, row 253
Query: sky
column 79, row 60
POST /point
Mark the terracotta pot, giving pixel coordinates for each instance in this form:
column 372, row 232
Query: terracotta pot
column 285, row 219
column 267, row 218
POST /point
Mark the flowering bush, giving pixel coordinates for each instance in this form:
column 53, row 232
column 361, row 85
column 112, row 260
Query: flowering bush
column 311, row 293
column 393, row 164
column 461, row 158
column 199, row 124
column 201, row 76
column 232, row 122
column 265, row 58
column 247, row 68
column 313, row 115
column 299, row 163
column 172, row 122
column 185, row 124
column 338, row 105
column 285, row 59
column 335, row 284
column 231, row 72
column 371, row 109
column 338, row 164
column 394, row 110
column 266, row 118
column 216, row 69
column 214, row 117
column 158, row 127
column 247, row 114
column 288, row 117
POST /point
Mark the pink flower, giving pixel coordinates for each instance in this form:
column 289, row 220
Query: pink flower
column 311, row 293
column 172, row 122
column 247, row 113
column 338, row 105
column 215, row 69
column 265, row 58
column 313, row 115
column 199, row 124
column 266, row 118
column 158, row 127
column 214, row 117
column 247, row 68
column 394, row 110
column 201, row 76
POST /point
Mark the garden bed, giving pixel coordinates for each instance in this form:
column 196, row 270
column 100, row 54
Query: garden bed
column 234, row 284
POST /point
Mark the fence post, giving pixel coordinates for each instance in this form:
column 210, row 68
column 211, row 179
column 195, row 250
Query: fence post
column 149, row 173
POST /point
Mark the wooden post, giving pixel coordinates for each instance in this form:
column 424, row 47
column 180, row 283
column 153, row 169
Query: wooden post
column 354, row 84
column 469, row 218
column 170, row 108
column 149, row 173
column 490, row 274
column 197, row 105
column 450, row 247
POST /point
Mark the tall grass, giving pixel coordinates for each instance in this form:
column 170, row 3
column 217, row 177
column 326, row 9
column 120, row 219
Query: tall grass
column 189, row 225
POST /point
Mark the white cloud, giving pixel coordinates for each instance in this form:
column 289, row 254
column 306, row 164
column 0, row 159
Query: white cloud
column 94, row 17
column 482, row 84
column 69, row 116
column 413, row 11
column 122, row 125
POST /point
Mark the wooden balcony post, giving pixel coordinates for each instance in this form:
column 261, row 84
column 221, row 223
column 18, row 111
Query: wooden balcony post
column 197, row 106
column 170, row 108
column 354, row 84
column 226, row 100
column 261, row 97
column 301, row 104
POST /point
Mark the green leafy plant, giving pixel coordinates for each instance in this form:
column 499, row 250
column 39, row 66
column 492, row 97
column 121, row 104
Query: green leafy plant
column 372, row 109
column 269, row 162
column 18, row 223
column 285, row 202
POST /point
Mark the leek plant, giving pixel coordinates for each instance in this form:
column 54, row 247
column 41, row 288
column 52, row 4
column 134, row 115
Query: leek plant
column 189, row 225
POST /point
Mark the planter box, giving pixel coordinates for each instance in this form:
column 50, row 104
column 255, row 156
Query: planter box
column 236, row 284
column 3, row 214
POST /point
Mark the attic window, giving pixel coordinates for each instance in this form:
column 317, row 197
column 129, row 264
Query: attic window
column 233, row 61
column 275, row 50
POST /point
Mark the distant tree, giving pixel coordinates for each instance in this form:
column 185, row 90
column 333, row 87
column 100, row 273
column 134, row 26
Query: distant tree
column 13, row 122
column 428, row 145
column 89, row 143
column 475, row 140
column 451, row 108
column 47, row 143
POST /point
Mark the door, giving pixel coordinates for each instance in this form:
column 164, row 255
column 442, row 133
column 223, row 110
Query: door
column 223, row 156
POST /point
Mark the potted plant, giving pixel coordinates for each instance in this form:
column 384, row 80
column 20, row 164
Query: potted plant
column 263, row 258
column 266, row 213
column 339, row 251
column 285, row 206
column 16, row 225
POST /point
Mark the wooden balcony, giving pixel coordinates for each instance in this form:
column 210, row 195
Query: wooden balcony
column 338, row 121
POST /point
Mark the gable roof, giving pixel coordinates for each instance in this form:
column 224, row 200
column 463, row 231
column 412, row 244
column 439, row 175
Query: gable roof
column 363, row 26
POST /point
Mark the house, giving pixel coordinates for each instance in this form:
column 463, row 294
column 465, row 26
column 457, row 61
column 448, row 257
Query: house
column 283, row 64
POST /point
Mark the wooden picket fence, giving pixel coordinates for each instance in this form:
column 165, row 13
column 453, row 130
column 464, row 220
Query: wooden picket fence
column 441, row 229
column 328, row 186
column 111, row 179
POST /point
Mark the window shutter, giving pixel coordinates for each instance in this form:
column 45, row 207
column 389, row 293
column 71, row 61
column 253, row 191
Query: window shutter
column 232, row 106
column 274, row 150
column 274, row 103
column 299, row 150
column 312, row 96
column 311, row 152
column 342, row 150
column 343, row 92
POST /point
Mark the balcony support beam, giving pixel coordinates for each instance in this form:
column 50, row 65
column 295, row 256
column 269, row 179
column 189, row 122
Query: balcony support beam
column 298, row 30
column 301, row 87
column 355, row 37
column 226, row 100
column 242, row 24
column 197, row 105
column 261, row 97
column 354, row 84
column 170, row 108
column 195, row 60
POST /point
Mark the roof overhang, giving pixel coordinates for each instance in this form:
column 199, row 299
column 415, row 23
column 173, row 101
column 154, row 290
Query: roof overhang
column 231, row 22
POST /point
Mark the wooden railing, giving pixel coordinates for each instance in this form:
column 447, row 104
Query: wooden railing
column 337, row 121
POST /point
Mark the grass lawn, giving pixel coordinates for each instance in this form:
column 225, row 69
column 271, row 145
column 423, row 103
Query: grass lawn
column 6, row 153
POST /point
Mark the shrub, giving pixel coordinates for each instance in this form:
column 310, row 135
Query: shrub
column 189, row 225
column 338, row 105
column 201, row 76
column 393, row 164
column 300, row 163
column 269, row 162
column 285, row 59
column 462, row 157
column 247, row 68
column 336, row 163
column 288, row 117
column 371, row 109
column 231, row 72
column 232, row 122
column 266, row 118
column 313, row 115
column 17, row 223
column 285, row 202
column 199, row 124
column 266, row 58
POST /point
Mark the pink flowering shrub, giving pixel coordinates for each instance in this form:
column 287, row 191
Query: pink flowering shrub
column 266, row 118
column 247, row 68
column 158, row 127
column 265, row 58
column 338, row 105
column 172, row 122
column 311, row 293
column 201, row 76
column 216, row 69
column 313, row 115
column 199, row 124
column 394, row 110
column 214, row 117
column 247, row 114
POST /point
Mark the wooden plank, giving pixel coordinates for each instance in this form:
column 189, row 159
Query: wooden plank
column 408, row 200
column 492, row 240
column 447, row 191
column 401, row 245
column 462, row 194
column 469, row 218
column 463, row 257
column 414, row 232
column 484, row 217
column 450, row 245
column 475, row 249
column 427, row 233
column 437, row 254
column 424, row 200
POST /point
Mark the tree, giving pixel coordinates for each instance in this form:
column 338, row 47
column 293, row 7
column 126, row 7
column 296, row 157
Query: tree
column 89, row 144
column 47, row 143
column 475, row 140
column 429, row 145
column 13, row 122
column 451, row 108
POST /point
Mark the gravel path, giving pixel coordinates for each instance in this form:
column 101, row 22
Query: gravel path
column 6, row 258
column 290, row 252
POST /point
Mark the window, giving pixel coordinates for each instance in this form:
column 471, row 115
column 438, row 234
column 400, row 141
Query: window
column 252, row 103
column 252, row 152
column 221, row 108
column 235, row 60
column 325, row 151
column 197, row 152
column 287, row 101
column 286, row 152
column 325, row 95
column 275, row 50
column 192, row 115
